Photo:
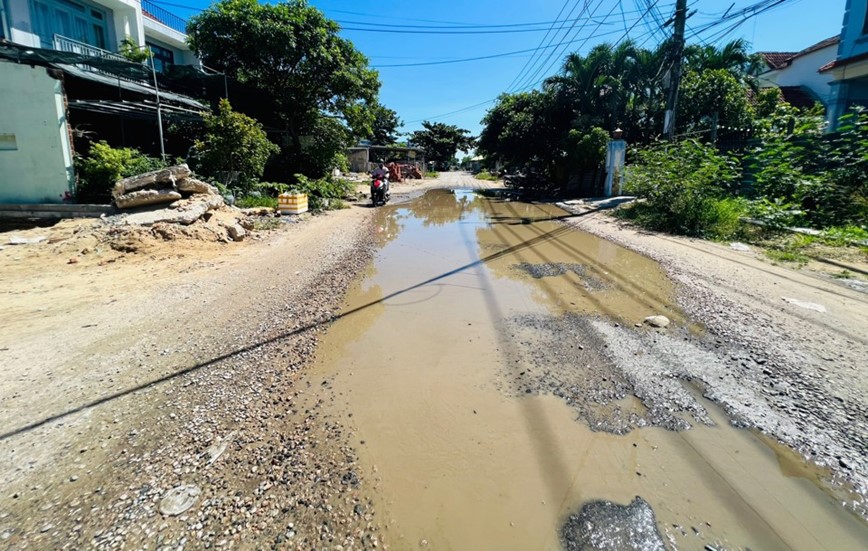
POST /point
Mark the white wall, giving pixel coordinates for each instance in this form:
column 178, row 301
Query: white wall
column 803, row 71
column 35, row 154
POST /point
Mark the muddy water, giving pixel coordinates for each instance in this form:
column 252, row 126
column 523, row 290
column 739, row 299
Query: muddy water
column 462, row 459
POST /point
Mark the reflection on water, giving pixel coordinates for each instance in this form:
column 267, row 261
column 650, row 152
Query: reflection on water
column 461, row 464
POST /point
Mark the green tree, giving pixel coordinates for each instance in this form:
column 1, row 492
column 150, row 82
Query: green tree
column 524, row 130
column 713, row 91
column 441, row 141
column 385, row 126
column 306, row 72
column 587, row 150
column 733, row 57
column 234, row 149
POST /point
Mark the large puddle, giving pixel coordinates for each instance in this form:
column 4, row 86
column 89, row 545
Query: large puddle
column 479, row 371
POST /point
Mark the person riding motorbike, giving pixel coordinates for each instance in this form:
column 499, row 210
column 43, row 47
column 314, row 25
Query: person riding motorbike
column 381, row 173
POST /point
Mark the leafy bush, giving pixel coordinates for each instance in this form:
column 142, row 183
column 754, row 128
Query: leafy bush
column 324, row 193
column 487, row 176
column 825, row 175
column 235, row 148
column 129, row 49
column 105, row 165
column 687, row 189
column 587, row 150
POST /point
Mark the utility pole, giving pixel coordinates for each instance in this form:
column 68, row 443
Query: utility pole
column 675, row 70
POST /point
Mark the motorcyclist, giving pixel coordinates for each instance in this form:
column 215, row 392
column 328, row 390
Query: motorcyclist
column 381, row 172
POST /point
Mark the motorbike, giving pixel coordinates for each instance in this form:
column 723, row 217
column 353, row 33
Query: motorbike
column 380, row 190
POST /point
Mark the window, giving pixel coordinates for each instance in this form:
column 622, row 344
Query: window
column 68, row 19
column 163, row 57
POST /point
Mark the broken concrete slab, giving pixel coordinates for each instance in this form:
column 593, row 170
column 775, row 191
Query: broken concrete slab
column 236, row 232
column 185, row 213
column 192, row 185
column 162, row 176
column 146, row 197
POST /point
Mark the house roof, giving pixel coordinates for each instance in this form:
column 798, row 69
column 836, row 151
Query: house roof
column 842, row 62
column 798, row 97
column 779, row 60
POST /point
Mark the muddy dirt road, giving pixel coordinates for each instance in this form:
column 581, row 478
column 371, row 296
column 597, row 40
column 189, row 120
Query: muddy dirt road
column 504, row 392
column 489, row 383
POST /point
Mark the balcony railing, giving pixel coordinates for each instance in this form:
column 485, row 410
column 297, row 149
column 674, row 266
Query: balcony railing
column 102, row 59
column 65, row 44
column 160, row 15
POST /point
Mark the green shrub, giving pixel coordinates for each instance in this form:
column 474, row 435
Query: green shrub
column 487, row 176
column 431, row 174
column 324, row 193
column 234, row 149
column 825, row 175
column 687, row 189
column 105, row 165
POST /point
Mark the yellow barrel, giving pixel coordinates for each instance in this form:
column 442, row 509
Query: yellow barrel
column 292, row 203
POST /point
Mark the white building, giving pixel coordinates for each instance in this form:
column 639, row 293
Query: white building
column 95, row 26
column 798, row 74
column 48, row 100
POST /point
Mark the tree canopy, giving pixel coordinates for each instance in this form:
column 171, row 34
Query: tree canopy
column 234, row 149
column 292, row 53
column 385, row 126
column 441, row 141
column 562, row 128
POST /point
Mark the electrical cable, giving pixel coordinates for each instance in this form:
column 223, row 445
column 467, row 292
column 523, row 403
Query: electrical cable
column 529, row 61
column 554, row 53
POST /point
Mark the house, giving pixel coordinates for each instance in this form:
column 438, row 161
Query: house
column 96, row 27
column 849, row 69
column 62, row 84
column 365, row 156
column 797, row 73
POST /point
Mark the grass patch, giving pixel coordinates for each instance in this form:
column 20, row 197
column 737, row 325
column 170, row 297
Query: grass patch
column 787, row 255
column 430, row 174
column 487, row 176
column 252, row 202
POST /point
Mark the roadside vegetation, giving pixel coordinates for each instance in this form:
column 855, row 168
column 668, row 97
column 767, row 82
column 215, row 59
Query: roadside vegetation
column 794, row 174
column 744, row 164
column 487, row 176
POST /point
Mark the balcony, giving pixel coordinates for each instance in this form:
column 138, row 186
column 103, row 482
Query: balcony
column 64, row 44
column 160, row 15
column 102, row 62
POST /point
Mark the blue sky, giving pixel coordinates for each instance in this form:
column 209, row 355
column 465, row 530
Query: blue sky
column 432, row 91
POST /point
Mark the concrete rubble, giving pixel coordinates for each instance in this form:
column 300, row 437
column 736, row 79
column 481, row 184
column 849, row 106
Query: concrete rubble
column 173, row 196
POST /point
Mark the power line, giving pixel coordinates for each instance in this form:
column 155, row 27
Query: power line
column 528, row 87
column 546, row 65
column 530, row 76
column 492, row 56
column 540, row 45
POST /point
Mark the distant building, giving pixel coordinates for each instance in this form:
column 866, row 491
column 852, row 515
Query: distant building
column 365, row 157
column 849, row 69
column 798, row 75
